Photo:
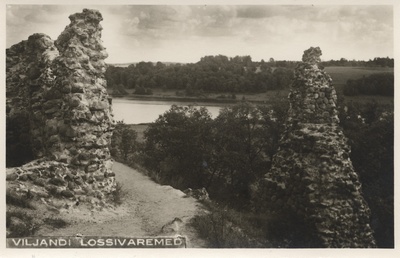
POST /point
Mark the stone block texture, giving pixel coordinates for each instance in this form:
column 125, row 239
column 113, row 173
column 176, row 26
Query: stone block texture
column 312, row 180
column 56, row 91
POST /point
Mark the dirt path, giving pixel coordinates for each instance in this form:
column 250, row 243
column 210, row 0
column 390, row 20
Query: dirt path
column 147, row 207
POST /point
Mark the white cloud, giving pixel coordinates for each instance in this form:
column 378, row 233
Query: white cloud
column 166, row 32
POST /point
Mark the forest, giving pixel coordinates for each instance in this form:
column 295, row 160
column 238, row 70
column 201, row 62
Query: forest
column 221, row 74
column 374, row 84
column 186, row 148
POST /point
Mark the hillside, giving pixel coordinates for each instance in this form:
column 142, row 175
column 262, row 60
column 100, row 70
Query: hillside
column 146, row 208
column 265, row 175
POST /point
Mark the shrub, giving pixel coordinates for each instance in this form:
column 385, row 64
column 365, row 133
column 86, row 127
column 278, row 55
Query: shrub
column 118, row 194
column 119, row 90
column 20, row 224
column 370, row 130
column 22, row 201
column 143, row 91
column 375, row 84
column 227, row 228
column 123, row 142
column 56, row 222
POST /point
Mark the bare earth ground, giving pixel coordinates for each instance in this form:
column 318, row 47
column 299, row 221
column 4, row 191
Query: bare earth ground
column 147, row 207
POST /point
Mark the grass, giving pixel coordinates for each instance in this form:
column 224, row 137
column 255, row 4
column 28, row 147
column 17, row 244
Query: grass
column 228, row 228
column 25, row 223
column 55, row 222
column 20, row 224
column 363, row 99
column 19, row 201
column 341, row 74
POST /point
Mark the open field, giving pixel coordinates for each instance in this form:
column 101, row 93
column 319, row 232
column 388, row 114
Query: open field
column 341, row 74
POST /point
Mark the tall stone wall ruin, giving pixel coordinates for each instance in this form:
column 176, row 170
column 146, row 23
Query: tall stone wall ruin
column 56, row 91
column 312, row 181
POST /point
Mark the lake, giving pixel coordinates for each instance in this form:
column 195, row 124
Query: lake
column 145, row 111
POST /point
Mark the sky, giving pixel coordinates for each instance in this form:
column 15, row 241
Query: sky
column 185, row 33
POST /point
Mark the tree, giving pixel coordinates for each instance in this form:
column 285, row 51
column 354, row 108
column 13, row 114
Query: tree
column 243, row 147
column 119, row 90
column 178, row 146
column 374, row 84
column 370, row 129
column 123, row 142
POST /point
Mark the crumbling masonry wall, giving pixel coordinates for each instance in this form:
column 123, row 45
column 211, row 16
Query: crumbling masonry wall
column 56, row 91
column 312, row 179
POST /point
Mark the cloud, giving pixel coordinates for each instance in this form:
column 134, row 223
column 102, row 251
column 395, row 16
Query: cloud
column 260, row 12
column 215, row 28
column 17, row 14
column 178, row 21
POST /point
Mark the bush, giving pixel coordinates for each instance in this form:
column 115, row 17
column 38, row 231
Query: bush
column 119, row 90
column 178, row 146
column 370, row 130
column 20, row 224
column 22, row 201
column 56, row 222
column 179, row 93
column 118, row 194
column 143, row 91
column 123, row 142
column 375, row 84
column 227, row 228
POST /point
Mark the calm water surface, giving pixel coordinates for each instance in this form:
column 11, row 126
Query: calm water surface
column 144, row 111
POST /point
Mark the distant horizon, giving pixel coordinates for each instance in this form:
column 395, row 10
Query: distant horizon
column 322, row 60
column 185, row 33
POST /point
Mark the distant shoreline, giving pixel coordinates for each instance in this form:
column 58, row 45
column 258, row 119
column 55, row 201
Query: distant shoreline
column 185, row 99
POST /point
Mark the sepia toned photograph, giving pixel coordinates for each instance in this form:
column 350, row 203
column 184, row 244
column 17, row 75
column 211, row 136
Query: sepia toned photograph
column 211, row 126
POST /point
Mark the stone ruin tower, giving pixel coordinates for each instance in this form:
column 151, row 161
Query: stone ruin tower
column 81, row 112
column 57, row 92
column 312, row 181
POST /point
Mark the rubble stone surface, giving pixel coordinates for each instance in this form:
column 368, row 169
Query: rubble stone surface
column 312, row 177
column 57, row 92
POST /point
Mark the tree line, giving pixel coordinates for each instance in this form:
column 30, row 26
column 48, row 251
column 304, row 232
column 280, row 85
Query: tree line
column 215, row 74
column 374, row 84
column 376, row 62
column 186, row 148
column 210, row 74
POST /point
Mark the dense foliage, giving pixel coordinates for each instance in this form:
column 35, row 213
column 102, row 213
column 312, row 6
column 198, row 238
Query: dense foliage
column 124, row 144
column 226, row 155
column 215, row 74
column 370, row 129
column 210, row 74
column 374, row 84
column 186, row 148
column 178, row 146
column 376, row 62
